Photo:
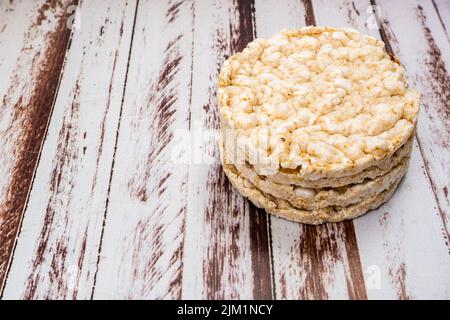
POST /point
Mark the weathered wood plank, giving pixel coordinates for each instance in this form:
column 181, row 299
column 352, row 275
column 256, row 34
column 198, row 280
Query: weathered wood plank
column 174, row 229
column 442, row 8
column 402, row 248
column 426, row 58
column 33, row 41
column 409, row 250
column 310, row 262
column 142, row 249
column 393, row 241
column 57, row 252
column 226, row 247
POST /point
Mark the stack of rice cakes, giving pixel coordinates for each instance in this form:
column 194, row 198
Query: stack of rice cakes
column 317, row 124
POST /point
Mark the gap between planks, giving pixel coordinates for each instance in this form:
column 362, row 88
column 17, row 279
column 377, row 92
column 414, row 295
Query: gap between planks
column 115, row 148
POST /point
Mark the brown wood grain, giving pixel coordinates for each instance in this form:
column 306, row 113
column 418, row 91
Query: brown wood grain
column 258, row 219
column 66, row 152
column 355, row 278
column 439, row 79
column 319, row 250
column 56, row 253
column 310, row 20
column 242, row 33
column 443, row 6
column 227, row 250
column 31, row 114
column 263, row 287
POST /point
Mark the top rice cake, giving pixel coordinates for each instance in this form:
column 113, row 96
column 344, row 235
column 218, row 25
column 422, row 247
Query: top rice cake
column 320, row 102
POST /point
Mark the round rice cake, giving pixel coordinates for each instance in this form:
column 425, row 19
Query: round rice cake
column 284, row 209
column 325, row 102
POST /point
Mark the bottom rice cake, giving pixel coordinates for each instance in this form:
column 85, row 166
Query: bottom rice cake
column 284, row 209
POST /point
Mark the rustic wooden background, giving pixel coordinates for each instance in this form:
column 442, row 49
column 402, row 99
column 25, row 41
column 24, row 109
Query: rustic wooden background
column 92, row 96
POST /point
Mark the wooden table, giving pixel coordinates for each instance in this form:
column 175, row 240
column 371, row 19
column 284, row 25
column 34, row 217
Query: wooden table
column 99, row 99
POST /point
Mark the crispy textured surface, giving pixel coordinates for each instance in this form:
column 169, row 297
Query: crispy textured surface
column 284, row 209
column 326, row 102
column 309, row 198
column 373, row 172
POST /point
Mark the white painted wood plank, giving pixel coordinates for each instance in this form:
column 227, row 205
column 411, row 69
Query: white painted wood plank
column 346, row 13
column 310, row 262
column 426, row 57
column 33, row 41
column 142, row 247
column 442, row 8
column 402, row 242
column 290, row 15
column 56, row 254
column 226, row 249
column 425, row 246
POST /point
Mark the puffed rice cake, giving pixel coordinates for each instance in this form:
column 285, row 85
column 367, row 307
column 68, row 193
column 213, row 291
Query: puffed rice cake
column 317, row 123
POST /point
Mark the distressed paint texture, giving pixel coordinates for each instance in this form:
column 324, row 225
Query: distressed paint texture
column 57, row 251
column 30, row 69
column 110, row 155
